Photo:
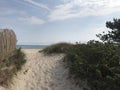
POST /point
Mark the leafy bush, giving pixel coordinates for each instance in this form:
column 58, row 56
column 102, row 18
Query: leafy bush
column 10, row 66
column 96, row 62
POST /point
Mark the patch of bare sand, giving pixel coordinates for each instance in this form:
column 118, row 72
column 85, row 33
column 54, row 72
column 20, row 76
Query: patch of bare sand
column 43, row 73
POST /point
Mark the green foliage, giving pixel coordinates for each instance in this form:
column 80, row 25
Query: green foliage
column 10, row 66
column 57, row 48
column 96, row 62
column 113, row 35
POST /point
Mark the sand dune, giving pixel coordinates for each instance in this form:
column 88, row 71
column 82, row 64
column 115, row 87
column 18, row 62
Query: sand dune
column 43, row 73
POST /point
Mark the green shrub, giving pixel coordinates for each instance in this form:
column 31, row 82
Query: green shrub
column 96, row 62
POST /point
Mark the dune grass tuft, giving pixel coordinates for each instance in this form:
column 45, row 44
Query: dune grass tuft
column 57, row 48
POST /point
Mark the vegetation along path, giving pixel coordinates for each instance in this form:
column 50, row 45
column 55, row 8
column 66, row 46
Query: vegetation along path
column 43, row 72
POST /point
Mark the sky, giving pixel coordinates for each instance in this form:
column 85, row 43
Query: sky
column 52, row 21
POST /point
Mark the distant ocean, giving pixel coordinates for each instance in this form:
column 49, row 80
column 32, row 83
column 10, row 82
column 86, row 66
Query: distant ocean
column 31, row 46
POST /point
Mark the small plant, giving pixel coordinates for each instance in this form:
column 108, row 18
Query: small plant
column 20, row 59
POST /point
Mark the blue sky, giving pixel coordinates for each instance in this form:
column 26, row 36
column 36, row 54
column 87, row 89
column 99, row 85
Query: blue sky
column 52, row 21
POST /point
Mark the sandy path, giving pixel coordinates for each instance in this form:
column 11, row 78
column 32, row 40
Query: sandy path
column 42, row 73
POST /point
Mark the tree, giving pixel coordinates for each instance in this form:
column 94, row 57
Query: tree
column 113, row 35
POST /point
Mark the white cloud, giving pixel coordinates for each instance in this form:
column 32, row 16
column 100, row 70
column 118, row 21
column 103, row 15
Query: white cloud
column 82, row 8
column 37, row 4
column 32, row 20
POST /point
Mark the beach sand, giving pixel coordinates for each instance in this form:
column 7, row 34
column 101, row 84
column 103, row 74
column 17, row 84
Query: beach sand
column 42, row 72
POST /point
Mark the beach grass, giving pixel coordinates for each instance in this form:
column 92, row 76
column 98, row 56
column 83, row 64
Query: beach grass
column 10, row 66
column 57, row 48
